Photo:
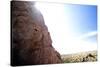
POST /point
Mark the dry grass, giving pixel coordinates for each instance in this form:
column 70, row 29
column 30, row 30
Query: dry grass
column 89, row 56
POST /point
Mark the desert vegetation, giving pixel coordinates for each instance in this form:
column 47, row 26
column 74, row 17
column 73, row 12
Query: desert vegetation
column 89, row 56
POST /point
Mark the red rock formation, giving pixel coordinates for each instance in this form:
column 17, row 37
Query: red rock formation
column 31, row 41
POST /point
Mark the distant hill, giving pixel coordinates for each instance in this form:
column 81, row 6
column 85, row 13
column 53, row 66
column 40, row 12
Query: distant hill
column 89, row 56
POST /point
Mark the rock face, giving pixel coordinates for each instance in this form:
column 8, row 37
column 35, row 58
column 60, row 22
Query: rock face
column 31, row 41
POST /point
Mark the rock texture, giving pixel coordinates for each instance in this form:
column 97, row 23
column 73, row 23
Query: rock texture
column 31, row 41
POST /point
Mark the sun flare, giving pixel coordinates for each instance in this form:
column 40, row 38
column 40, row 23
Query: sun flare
column 58, row 25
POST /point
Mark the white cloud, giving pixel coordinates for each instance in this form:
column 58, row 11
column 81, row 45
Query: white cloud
column 89, row 34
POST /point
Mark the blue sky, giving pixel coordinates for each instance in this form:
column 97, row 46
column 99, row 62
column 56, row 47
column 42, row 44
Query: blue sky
column 83, row 18
column 73, row 27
